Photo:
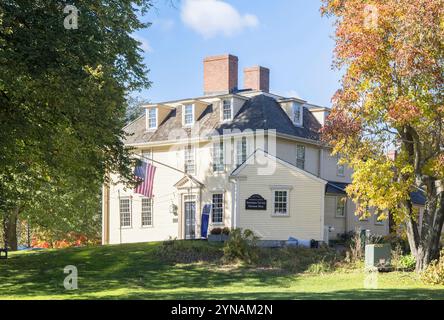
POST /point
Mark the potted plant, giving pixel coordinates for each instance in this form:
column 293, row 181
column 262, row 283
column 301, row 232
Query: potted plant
column 215, row 235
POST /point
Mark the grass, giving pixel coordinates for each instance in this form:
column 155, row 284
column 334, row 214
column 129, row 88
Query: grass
column 145, row 271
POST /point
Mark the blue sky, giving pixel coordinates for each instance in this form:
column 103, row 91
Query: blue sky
column 288, row 36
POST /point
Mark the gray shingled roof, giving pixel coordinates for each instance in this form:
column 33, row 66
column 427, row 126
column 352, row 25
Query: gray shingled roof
column 263, row 112
column 259, row 112
column 333, row 187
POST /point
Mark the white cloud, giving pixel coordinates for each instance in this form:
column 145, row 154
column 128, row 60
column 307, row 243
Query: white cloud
column 144, row 43
column 213, row 17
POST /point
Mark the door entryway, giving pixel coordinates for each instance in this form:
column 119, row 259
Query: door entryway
column 190, row 216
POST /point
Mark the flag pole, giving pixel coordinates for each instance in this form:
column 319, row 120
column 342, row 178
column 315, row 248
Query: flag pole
column 164, row 164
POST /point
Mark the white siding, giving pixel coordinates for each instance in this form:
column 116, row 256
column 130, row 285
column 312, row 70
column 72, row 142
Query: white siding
column 338, row 223
column 166, row 194
column 329, row 168
column 286, row 150
column 305, row 207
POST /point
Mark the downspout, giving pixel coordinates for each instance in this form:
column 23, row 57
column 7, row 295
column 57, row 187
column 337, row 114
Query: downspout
column 234, row 204
column 236, row 216
column 320, row 174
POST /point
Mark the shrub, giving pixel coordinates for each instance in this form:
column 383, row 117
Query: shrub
column 434, row 273
column 396, row 241
column 396, row 257
column 178, row 251
column 226, row 231
column 298, row 259
column 355, row 252
column 407, row 262
column 241, row 245
column 216, row 231
column 320, row 267
column 402, row 262
column 345, row 237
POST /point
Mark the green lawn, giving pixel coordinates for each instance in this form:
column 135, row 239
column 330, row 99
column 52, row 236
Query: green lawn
column 135, row 271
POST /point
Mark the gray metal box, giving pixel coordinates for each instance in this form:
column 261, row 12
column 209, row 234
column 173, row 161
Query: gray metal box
column 377, row 255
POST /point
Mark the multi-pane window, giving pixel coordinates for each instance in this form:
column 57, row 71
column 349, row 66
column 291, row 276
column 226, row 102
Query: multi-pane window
column 340, row 169
column 152, row 118
column 125, row 213
column 227, row 112
column 297, row 114
column 147, row 212
column 218, row 157
column 241, row 151
column 218, row 208
column 340, row 206
column 190, row 163
column 300, row 157
column 188, row 114
column 281, row 202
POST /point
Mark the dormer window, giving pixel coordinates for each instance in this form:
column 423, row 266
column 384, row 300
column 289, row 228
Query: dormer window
column 297, row 110
column 152, row 118
column 188, row 115
column 227, row 109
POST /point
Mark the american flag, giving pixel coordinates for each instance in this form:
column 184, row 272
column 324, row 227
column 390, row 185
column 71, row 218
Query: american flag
column 144, row 172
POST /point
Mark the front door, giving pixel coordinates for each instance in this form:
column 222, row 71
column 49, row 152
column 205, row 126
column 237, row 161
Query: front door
column 190, row 217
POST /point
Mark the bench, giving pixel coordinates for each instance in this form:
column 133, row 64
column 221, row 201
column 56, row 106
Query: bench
column 3, row 253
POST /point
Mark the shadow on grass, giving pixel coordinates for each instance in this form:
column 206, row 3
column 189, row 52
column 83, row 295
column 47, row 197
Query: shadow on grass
column 355, row 294
column 116, row 267
column 136, row 272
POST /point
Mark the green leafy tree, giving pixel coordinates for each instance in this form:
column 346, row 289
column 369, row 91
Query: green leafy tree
column 62, row 103
column 134, row 109
column 392, row 52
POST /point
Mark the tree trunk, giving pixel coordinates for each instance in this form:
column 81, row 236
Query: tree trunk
column 10, row 225
column 424, row 243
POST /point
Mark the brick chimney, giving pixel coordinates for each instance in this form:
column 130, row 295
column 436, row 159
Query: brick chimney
column 257, row 78
column 220, row 74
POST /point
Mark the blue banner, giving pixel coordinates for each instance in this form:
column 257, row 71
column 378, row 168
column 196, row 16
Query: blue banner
column 205, row 221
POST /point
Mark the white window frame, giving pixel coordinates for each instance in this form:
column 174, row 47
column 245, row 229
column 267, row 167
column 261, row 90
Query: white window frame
column 241, row 157
column 281, row 189
column 151, row 213
column 130, row 212
column 222, row 104
column 189, row 150
column 219, row 145
column 338, row 200
column 213, row 208
column 301, row 113
column 155, row 120
column 297, row 156
column 193, row 119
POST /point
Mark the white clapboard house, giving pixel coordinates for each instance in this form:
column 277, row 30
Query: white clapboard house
column 254, row 156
